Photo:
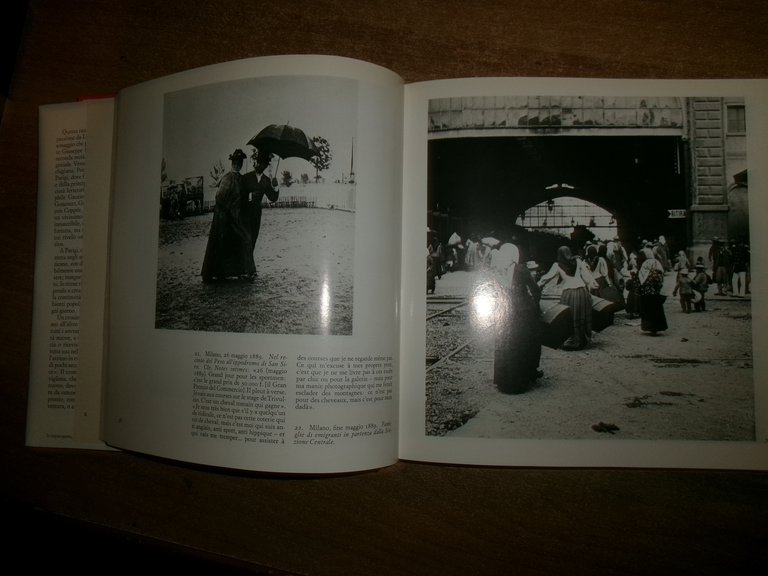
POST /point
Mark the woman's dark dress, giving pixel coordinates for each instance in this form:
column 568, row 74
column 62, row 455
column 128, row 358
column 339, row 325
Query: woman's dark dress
column 229, row 252
column 633, row 295
column 518, row 339
column 652, row 317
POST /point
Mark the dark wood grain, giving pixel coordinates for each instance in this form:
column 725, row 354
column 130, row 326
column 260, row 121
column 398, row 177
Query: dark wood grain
column 410, row 518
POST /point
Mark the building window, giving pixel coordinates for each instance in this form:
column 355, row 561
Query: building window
column 737, row 119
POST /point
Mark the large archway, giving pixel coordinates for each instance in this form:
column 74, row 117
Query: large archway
column 560, row 215
column 480, row 185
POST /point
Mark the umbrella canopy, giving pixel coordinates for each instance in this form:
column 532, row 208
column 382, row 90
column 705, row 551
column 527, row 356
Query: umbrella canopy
column 284, row 141
column 489, row 241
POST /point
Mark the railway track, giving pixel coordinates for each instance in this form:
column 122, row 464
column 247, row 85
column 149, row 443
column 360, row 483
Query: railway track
column 448, row 330
column 451, row 330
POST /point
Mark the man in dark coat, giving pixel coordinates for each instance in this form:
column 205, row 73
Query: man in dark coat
column 255, row 185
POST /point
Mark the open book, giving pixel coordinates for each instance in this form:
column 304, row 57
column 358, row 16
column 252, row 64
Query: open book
column 302, row 264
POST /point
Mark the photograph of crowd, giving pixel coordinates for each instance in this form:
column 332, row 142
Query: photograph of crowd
column 588, row 269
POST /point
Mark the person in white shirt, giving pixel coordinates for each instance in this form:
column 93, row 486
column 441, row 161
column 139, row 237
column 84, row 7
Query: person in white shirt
column 576, row 281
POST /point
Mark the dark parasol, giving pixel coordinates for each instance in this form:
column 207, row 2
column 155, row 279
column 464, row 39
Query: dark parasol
column 284, row 141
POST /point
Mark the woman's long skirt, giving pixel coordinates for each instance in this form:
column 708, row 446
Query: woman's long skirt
column 228, row 252
column 517, row 351
column 652, row 317
column 579, row 300
column 633, row 300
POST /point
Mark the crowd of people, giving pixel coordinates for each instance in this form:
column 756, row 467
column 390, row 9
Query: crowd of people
column 597, row 271
column 237, row 218
column 730, row 266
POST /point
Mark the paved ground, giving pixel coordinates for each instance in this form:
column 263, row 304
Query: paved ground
column 304, row 260
column 694, row 381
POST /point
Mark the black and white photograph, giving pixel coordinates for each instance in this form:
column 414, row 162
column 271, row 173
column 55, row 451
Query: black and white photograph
column 588, row 268
column 256, row 209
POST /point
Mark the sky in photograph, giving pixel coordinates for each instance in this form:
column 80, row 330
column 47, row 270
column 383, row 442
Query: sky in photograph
column 206, row 124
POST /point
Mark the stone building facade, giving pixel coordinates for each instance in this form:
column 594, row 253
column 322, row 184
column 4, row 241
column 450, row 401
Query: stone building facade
column 711, row 132
column 719, row 205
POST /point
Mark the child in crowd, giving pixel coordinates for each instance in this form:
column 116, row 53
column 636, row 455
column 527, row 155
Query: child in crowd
column 684, row 287
column 701, row 285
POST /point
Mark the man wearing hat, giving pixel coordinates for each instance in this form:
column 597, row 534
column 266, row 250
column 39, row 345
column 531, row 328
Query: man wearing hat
column 229, row 253
column 740, row 267
column 255, row 185
column 684, row 287
column 534, row 269
column 719, row 256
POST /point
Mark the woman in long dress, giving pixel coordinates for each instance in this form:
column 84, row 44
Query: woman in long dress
column 651, row 279
column 602, row 270
column 518, row 337
column 576, row 281
column 228, row 252
column 632, row 285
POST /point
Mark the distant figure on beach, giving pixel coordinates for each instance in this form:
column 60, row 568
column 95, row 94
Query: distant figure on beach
column 255, row 185
column 229, row 253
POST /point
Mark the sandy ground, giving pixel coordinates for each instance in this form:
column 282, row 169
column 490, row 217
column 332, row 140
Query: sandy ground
column 693, row 381
column 304, row 259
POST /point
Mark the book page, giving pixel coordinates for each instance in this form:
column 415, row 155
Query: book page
column 255, row 266
column 584, row 273
column 66, row 362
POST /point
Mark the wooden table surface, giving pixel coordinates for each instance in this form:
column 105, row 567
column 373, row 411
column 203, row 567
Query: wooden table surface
column 409, row 518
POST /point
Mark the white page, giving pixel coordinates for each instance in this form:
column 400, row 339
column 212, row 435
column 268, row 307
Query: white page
column 66, row 360
column 468, row 444
column 163, row 398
